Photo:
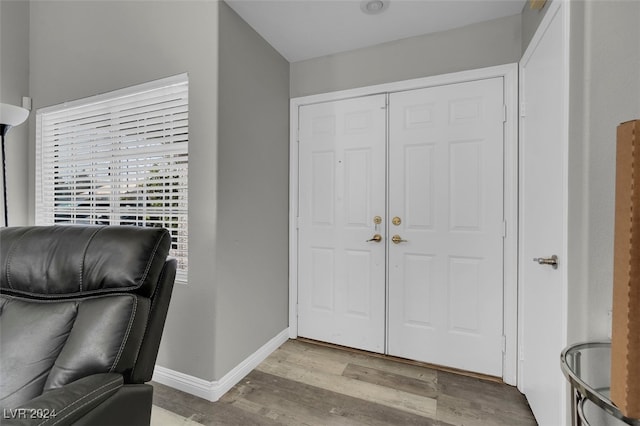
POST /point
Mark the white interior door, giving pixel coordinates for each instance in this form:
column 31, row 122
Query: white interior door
column 543, row 142
column 341, row 279
column 446, row 189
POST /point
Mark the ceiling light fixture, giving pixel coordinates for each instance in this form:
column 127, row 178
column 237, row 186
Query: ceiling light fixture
column 374, row 7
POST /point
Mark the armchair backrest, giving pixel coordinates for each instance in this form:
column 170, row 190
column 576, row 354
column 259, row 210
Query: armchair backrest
column 80, row 300
column 57, row 262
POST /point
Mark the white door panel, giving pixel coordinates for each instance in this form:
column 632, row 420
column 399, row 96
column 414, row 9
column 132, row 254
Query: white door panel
column 342, row 188
column 542, row 151
column 446, row 186
column 438, row 296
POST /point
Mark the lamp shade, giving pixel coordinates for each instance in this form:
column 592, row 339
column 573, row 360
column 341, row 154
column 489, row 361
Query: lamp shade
column 11, row 115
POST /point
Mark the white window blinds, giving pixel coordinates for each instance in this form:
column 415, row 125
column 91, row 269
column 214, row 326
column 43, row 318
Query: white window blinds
column 119, row 158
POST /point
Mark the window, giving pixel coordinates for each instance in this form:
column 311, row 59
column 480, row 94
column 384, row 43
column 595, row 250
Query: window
column 120, row 158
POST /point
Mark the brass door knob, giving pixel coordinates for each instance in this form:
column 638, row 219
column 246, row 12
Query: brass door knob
column 397, row 239
column 376, row 238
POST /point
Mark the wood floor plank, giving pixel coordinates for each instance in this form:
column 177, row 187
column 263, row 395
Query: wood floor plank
column 391, row 380
column 379, row 394
column 280, row 411
column 317, row 406
column 292, row 403
column 178, row 402
column 490, row 393
column 310, row 350
column 303, row 383
column 329, row 365
column 461, row 412
column 221, row 413
column 470, row 401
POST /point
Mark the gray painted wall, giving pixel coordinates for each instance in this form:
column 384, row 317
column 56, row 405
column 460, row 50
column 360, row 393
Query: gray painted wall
column 236, row 296
column 611, row 92
column 14, row 84
column 604, row 91
column 578, row 232
column 531, row 19
column 481, row 45
column 80, row 49
column 253, row 181
column 238, row 207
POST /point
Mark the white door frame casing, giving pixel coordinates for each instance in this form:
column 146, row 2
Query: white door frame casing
column 509, row 73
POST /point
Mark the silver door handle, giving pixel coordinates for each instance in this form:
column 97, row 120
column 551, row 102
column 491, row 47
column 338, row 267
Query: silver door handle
column 553, row 261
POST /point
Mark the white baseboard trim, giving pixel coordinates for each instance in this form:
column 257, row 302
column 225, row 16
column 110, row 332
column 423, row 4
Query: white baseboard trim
column 212, row 391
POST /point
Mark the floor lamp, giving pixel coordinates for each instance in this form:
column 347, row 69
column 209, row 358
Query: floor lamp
column 10, row 116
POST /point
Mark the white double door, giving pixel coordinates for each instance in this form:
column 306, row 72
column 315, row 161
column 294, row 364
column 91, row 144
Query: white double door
column 400, row 228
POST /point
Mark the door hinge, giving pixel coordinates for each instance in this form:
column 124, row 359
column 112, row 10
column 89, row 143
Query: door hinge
column 298, row 220
column 504, row 229
column 504, row 113
column 522, row 109
column 504, row 344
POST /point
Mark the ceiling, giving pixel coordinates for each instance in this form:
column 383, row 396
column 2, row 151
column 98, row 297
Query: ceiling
column 304, row 29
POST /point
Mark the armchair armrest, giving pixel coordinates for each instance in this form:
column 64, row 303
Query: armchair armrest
column 64, row 405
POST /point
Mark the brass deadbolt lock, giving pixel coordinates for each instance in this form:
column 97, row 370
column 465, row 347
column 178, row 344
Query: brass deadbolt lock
column 396, row 221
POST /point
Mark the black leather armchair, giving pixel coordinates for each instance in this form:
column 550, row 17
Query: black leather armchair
column 82, row 309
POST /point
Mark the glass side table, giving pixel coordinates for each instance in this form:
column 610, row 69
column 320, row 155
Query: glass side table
column 587, row 367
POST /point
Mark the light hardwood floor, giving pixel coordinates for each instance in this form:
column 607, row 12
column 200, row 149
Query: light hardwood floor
column 303, row 383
